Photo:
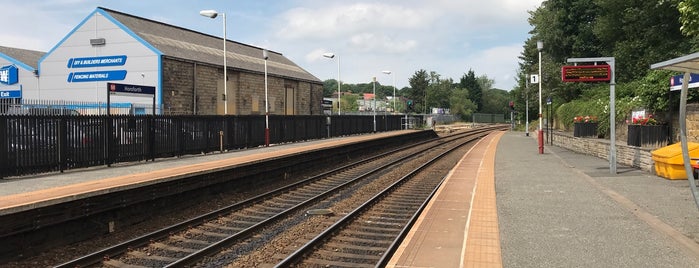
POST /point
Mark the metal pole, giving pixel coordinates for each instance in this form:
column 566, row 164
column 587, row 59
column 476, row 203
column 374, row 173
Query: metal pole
column 394, row 92
column 374, row 85
column 225, row 67
column 339, row 94
column 540, row 46
column 265, row 56
column 526, row 107
column 683, row 138
column 612, row 119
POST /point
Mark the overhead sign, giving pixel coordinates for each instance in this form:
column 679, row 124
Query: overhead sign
column 130, row 90
column 586, row 73
column 103, row 61
column 96, row 76
column 9, row 75
column 676, row 81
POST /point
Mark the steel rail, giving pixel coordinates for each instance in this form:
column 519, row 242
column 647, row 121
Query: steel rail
column 296, row 256
column 119, row 249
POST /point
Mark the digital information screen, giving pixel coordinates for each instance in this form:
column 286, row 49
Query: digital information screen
column 586, row 73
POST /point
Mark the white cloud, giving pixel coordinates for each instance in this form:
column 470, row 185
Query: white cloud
column 498, row 63
column 348, row 19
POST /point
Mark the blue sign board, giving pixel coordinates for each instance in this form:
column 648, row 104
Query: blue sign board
column 134, row 90
column 676, row 81
column 103, row 61
column 9, row 75
column 11, row 94
column 96, row 76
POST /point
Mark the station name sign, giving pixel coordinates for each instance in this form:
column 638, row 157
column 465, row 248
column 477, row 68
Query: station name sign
column 130, row 90
column 586, row 73
column 677, row 81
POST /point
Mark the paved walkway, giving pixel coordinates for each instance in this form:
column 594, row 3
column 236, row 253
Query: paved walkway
column 563, row 209
column 506, row 205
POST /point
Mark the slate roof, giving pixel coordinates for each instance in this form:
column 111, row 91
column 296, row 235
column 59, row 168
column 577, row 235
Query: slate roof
column 178, row 42
column 28, row 57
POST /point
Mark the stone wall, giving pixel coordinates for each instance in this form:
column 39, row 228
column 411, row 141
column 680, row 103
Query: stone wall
column 188, row 84
column 626, row 155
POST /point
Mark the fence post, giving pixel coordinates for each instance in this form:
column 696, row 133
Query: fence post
column 62, row 143
column 4, row 165
column 109, row 133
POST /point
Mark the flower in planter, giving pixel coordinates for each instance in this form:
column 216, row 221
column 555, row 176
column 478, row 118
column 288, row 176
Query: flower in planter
column 585, row 119
column 641, row 120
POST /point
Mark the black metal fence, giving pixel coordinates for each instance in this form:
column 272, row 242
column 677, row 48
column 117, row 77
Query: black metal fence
column 49, row 143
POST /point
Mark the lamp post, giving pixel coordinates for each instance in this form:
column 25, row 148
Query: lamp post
column 212, row 14
column 540, row 46
column 265, row 56
column 339, row 95
column 394, row 89
column 374, row 109
column 526, row 108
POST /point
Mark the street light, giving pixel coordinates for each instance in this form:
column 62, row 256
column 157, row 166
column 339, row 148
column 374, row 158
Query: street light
column 374, row 85
column 540, row 46
column 265, row 56
column 212, row 14
column 339, row 95
column 394, row 89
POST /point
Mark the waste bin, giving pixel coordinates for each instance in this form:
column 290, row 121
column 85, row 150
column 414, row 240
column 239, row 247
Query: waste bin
column 669, row 163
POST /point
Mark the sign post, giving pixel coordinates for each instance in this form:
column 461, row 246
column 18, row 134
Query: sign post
column 595, row 73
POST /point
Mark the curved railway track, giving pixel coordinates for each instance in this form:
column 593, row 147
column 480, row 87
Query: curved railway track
column 232, row 234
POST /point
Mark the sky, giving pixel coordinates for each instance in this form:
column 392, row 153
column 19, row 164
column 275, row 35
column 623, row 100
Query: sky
column 449, row 37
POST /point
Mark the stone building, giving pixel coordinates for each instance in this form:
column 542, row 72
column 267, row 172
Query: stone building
column 181, row 69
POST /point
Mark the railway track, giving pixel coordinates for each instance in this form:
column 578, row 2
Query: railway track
column 232, row 233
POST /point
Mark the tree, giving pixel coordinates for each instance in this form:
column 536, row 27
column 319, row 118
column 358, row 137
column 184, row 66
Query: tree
column 475, row 92
column 689, row 18
column 329, row 87
column 495, row 101
column 439, row 93
column 418, row 88
column 349, row 102
column 461, row 105
column 639, row 33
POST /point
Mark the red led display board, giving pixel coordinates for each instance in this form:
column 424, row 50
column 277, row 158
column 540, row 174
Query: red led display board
column 586, row 73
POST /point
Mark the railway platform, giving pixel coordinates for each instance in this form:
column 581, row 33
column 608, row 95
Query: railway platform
column 557, row 209
column 32, row 191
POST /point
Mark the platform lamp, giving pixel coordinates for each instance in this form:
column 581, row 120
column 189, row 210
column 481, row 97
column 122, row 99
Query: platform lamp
column 213, row 14
column 540, row 46
column 330, row 55
column 265, row 56
column 394, row 89
column 373, row 82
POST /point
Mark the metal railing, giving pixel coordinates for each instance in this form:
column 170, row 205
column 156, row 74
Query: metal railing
column 34, row 144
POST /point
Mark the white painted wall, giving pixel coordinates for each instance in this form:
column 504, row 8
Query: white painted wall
column 141, row 65
column 26, row 80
